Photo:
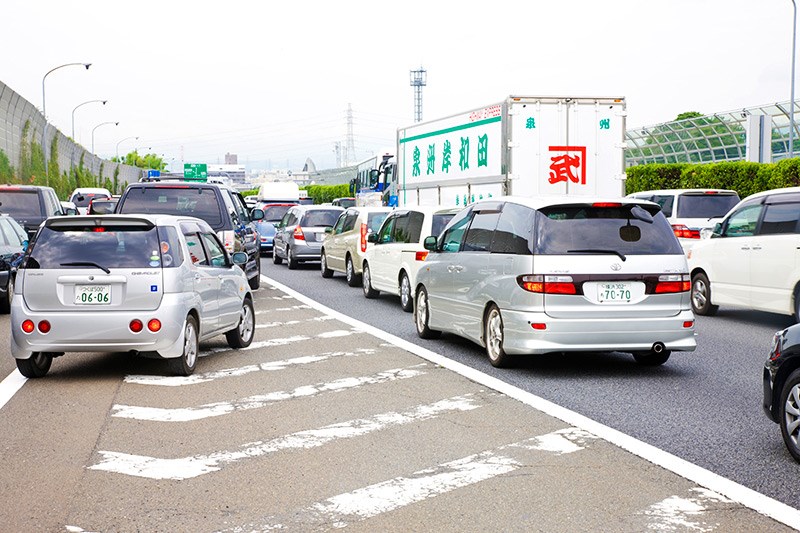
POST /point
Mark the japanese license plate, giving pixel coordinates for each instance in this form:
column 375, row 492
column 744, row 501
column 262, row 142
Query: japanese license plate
column 618, row 291
column 93, row 294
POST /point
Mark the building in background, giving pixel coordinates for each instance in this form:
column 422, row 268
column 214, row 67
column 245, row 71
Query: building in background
column 231, row 159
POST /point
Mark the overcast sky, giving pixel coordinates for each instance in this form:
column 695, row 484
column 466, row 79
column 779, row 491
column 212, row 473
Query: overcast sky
column 271, row 80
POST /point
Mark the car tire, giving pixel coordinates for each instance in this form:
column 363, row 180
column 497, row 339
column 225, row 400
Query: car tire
column 796, row 314
column 366, row 283
column 350, row 273
column 323, row 265
column 276, row 259
column 406, row 300
column 255, row 281
column 5, row 302
column 789, row 414
column 36, row 366
column 701, row 296
column 493, row 336
column 651, row 358
column 186, row 363
column 291, row 262
column 242, row 335
column 422, row 316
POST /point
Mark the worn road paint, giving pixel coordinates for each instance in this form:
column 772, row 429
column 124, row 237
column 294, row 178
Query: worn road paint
column 189, row 467
column 188, row 414
column 281, row 309
column 294, row 322
column 9, row 386
column 367, row 502
column 684, row 514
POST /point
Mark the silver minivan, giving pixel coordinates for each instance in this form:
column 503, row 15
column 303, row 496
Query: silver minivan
column 563, row 274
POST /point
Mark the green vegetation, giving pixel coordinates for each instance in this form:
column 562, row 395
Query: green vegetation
column 326, row 193
column 149, row 161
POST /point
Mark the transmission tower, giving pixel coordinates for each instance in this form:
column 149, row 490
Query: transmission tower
column 350, row 148
column 419, row 79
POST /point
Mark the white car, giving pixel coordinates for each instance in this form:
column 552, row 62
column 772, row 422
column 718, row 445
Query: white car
column 345, row 244
column 391, row 265
column 81, row 197
column 750, row 260
column 690, row 211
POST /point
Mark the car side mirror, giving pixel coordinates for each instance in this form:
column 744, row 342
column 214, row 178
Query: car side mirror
column 70, row 211
column 257, row 214
column 717, row 231
column 328, row 229
column 372, row 237
column 430, row 243
column 239, row 258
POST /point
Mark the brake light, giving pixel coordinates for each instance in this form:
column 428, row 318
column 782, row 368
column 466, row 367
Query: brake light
column 28, row 326
column 363, row 237
column 688, row 324
column 421, row 256
column 776, row 346
column 136, row 325
column 683, row 232
column 539, row 326
column 229, row 240
column 98, row 229
column 672, row 283
column 547, row 284
column 607, row 204
column 44, row 326
column 298, row 234
column 154, row 325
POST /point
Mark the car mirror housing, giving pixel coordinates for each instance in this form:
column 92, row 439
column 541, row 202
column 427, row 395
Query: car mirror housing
column 257, row 214
column 430, row 243
column 239, row 258
column 372, row 237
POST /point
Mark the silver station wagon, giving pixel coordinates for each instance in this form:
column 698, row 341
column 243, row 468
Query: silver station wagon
column 524, row 276
column 154, row 285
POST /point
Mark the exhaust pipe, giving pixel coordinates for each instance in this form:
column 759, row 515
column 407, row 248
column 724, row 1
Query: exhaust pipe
column 658, row 347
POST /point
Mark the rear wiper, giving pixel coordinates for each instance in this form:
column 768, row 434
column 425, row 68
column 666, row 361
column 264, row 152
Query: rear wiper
column 597, row 251
column 86, row 264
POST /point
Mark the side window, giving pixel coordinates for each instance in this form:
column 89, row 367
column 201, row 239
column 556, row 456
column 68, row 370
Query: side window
column 414, row 228
column 480, row 232
column 216, row 252
column 350, row 221
column 171, row 253
column 230, row 207
column 387, row 229
column 666, row 202
column 196, row 252
column 514, row 230
column 743, row 222
column 453, row 234
column 337, row 228
column 780, row 218
column 400, row 233
column 241, row 208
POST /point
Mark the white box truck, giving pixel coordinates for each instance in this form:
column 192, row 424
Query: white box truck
column 523, row 146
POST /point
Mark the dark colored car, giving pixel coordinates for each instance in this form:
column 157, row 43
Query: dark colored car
column 221, row 207
column 273, row 213
column 782, row 386
column 30, row 205
column 13, row 243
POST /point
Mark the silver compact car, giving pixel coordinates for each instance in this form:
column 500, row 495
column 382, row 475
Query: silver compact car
column 154, row 285
column 525, row 276
column 299, row 234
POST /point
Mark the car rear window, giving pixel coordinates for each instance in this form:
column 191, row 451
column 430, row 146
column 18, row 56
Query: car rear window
column 320, row 218
column 439, row 222
column 625, row 229
column 200, row 202
column 20, row 203
column 274, row 213
column 82, row 200
column 122, row 246
column 706, row 205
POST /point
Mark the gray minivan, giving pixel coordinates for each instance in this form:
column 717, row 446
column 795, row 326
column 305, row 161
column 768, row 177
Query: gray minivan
column 558, row 274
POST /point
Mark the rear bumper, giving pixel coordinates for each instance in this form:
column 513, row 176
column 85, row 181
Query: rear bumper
column 306, row 252
column 580, row 335
column 99, row 330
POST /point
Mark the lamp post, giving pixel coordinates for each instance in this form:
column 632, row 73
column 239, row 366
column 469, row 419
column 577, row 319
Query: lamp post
column 122, row 141
column 791, row 102
column 44, row 113
column 101, row 124
column 76, row 107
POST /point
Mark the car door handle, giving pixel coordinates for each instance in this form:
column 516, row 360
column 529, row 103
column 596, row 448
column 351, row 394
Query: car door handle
column 455, row 268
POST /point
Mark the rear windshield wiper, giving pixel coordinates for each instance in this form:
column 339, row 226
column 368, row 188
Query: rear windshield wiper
column 86, row 264
column 597, row 251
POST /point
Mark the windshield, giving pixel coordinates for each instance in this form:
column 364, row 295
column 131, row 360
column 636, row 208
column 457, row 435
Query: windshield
column 320, row 217
column 20, row 203
column 200, row 202
column 706, row 205
column 439, row 222
column 115, row 247
column 626, row 229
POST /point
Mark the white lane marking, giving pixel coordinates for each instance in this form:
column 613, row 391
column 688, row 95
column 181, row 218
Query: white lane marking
column 776, row 510
column 189, row 467
column 684, row 514
column 279, row 309
column 187, row 414
column 280, row 342
column 9, row 386
column 194, row 379
column 343, row 509
column 294, row 322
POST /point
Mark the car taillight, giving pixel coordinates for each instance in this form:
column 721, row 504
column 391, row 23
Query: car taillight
column 28, row 326
column 547, row 284
column 363, row 238
column 683, row 232
column 136, row 325
column 44, row 326
column 229, row 240
column 298, row 234
column 775, row 353
column 421, row 256
column 669, row 283
column 154, row 325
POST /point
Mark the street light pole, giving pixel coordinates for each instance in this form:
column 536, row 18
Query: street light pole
column 76, row 107
column 101, row 124
column 44, row 113
column 791, row 102
column 122, row 141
